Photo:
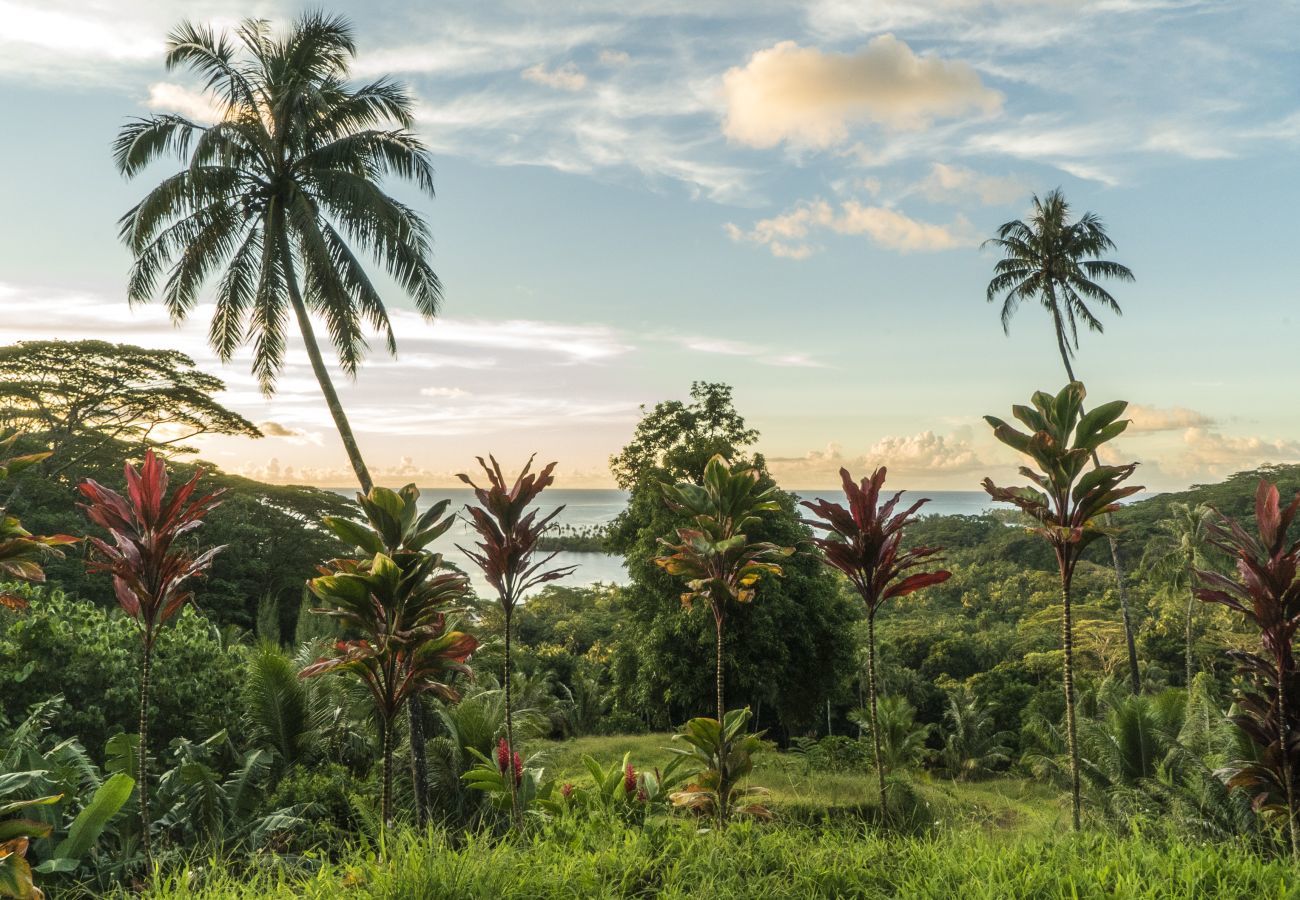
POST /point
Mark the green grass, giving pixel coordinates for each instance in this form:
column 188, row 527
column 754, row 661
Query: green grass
column 570, row 859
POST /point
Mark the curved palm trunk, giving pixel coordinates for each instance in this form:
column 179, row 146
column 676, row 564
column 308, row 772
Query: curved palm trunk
column 875, row 721
column 1135, row 678
column 1067, row 642
column 1191, row 603
column 146, row 665
column 321, row 372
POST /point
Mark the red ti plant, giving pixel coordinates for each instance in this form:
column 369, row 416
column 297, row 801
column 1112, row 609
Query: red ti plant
column 1070, row 506
column 865, row 542
column 508, row 532
column 151, row 567
column 21, row 552
column 1267, row 595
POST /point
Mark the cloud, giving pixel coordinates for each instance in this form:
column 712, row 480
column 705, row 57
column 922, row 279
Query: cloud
column 449, row 393
column 915, row 459
column 567, row 77
column 1147, row 419
column 167, row 97
column 1210, row 452
column 810, row 98
column 948, row 183
column 759, row 353
column 787, row 235
column 614, row 58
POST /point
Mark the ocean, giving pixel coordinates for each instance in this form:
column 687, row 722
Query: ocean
column 585, row 508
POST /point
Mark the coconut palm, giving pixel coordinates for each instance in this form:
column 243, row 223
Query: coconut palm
column 281, row 198
column 1179, row 550
column 1057, row 262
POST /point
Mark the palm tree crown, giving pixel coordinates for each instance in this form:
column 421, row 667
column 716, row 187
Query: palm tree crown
column 281, row 193
column 1058, row 262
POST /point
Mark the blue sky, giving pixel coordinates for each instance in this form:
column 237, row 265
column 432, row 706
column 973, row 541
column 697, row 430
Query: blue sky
column 788, row 197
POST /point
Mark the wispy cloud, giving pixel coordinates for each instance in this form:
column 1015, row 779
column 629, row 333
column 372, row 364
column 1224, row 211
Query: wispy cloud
column 789, row 234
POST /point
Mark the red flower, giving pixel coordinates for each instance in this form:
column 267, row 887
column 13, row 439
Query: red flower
column 629, row 779
column 641, row 795
column 503, row 756
column 566, row 791
column 519, row 768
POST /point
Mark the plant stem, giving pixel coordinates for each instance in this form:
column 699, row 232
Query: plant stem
column 1067, row 642
column 871, row 696
column 419, row 761
column 386, row 795
column 146, row 666
column 1284, row 664
column 1191, row 603
column 717, row 640
column 510, row 729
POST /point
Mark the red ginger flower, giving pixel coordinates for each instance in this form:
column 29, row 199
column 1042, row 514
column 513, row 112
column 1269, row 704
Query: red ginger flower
column 519, row 768
column 629, row 779
column 503, row 756
column 566, row 791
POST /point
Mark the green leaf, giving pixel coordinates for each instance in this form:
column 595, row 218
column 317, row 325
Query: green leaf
column 91, row 821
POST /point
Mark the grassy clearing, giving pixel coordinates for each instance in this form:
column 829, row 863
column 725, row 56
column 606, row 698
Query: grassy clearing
column 571, row 859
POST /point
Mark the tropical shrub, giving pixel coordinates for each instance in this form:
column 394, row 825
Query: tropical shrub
column 1266, row 593
column 722, row 756
column 508, row 533
column 865, row 543
column 1067, row 505
column 151, row 567
column 21, row 552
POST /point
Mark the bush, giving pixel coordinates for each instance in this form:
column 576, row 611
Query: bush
column 90, row 655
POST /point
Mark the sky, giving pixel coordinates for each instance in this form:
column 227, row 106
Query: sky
column 786, row 197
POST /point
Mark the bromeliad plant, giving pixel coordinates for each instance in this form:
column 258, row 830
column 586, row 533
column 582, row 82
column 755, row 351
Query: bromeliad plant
column 398, row 600
column 713, row 554
column 865, row 543
column 1068, row 503
column 723, row 756
column 151, row 565
column 395, row 527
column 1267, row 595
column 508, row 533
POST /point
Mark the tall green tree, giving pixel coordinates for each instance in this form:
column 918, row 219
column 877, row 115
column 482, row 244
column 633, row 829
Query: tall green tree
column 1178, row 551
column 712, row 554
column 786, row 652
column 1057, row 261
column 282, row 197
column 1068, row 505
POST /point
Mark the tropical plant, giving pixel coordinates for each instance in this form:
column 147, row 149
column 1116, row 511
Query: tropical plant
column 395, row 526
column 1266, row 593
column 902, row 740
column 1067, row 504
column 508, row 533
column 21, row 552
column 512, row 787
column 282, row 195
column 722, row 756
column 1058, row 262
column 399, row 606
column 151, row 564
column 16, row 834
column 1181, row 548
column 713, row 555
column 865, row 543
column 972, row 745
column 625, row 792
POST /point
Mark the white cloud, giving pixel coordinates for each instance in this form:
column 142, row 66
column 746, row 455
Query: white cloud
column 614, row 58
column 1210, row 452
column 810, row 98
column 449, row 393
column 787, row 235
column 567, row 77
column 921, row 459
column 757, row 352
column 1148, row 419
column 948, row 183
column 164, row 96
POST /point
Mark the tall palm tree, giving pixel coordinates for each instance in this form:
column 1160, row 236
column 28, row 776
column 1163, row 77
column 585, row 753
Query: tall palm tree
column 1058, row 262
column 280, row 199
column 281, row 196
column 1179, row 551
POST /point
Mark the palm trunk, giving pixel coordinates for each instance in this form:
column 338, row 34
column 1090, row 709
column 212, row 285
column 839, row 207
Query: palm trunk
column 419, row 759
column 1067, row 642
column 1191, row 603
column 1135, row 678
column 386, row 794
column 510, row 732
column 146, row 666
column 875, row 720
column 321, row 372
column 724, row 777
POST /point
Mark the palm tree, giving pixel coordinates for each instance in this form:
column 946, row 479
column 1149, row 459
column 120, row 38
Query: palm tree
column 1179, row 550
column 279, row 196
column 1058, row 262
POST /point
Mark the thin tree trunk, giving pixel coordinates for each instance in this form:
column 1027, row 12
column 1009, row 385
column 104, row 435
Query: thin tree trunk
column 386, row 794
column 146, row 666
column 1067, row 642
column 1191, row 603
column 510, row 732
column 321, row 372
column 419, row 759
column 875, row 719
column 1135, row 678
column 717, row 646
column 1284, row 740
